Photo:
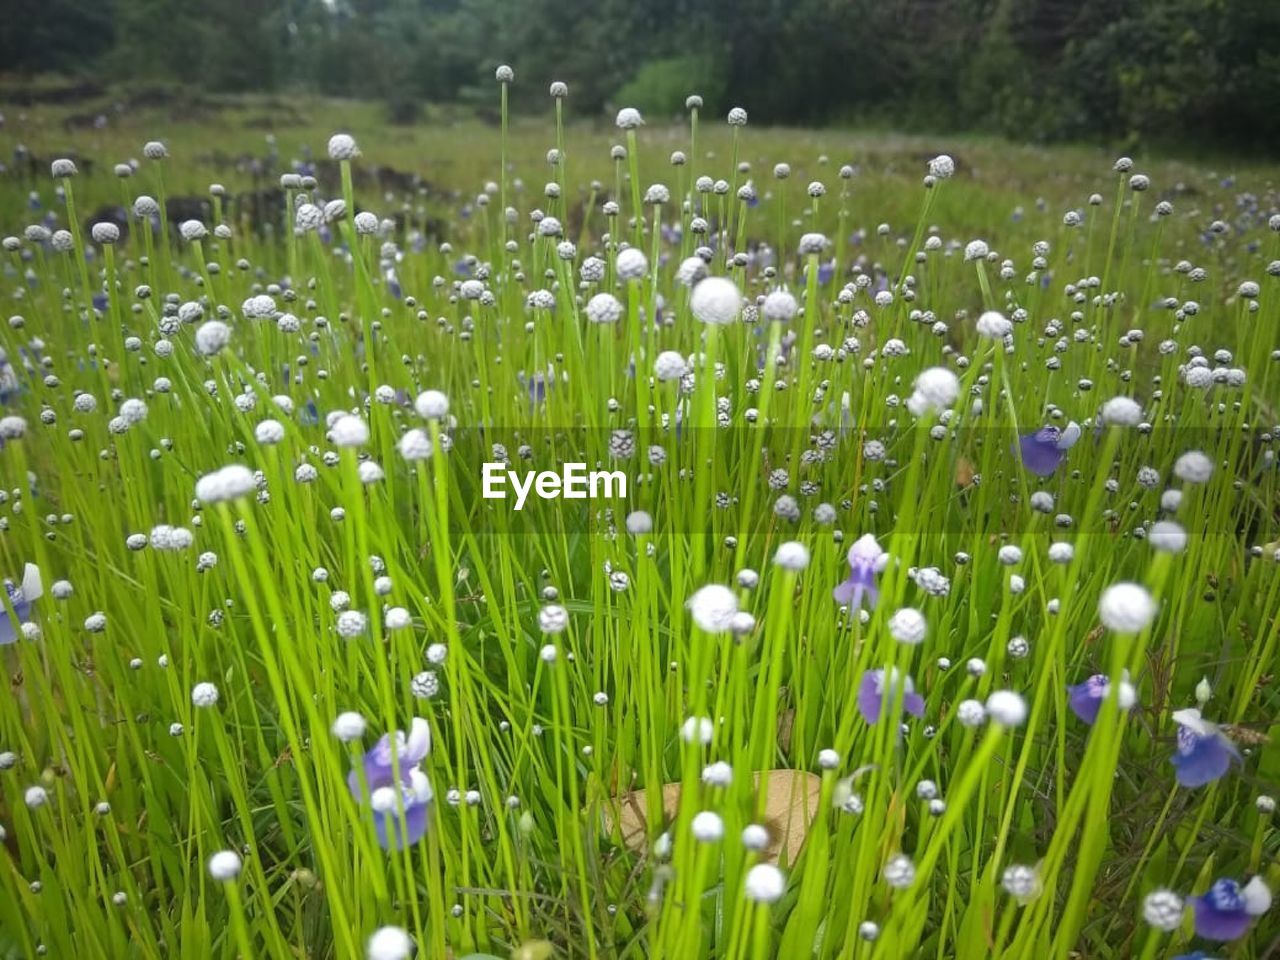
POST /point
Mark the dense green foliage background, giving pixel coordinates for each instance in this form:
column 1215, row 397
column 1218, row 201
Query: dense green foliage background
column 1205, row 72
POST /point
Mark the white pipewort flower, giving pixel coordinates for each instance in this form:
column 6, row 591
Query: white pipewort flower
column 224, row 865
column 765, row 883
column 713, row 607
column 390, row 943
column 1126, row 608
column 1007, row 708
column 716, row 301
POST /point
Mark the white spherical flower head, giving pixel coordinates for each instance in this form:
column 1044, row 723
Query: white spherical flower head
column 1121, row 412
column 713, row 607
column 415, row 445
column 828, row 759
column 229, row 483
column 994, row 325
column 908, row 626
column 691, row 271
column 348, row 726
column 105, row 232
column 792, row 556
column 1126, row 608
column 971, row 713
column 504, row 74
column 351, row 624
column 204, row 694
column 154, row 150
column 755, row 837
column 1256, row 896
column 390, row 943
column 1021, row 882
column 976, row 250
column 765, row 883
column 631, row 264
column 1163, row 909
column 697, row 730
column 1007, row 708
column 553, row 618
column 224, row 865
column 349, row 431
column 342, row 146
column 716, row 301
column 269, row 432
column 639, row 522
column 35, row 797
column 812, row 244
column 669, row 365
column 935, row 389
column 1167, row 536
column 942, row 167
column 432, row 405
column 779, row 307
column 604, row 308
column 707, row 826
column 718, row 774
column 211, row 337
column 559, row 89
column 1193, row 467
column 629, row 118
column 258, row 307
column 899, row 872
column 192, row 230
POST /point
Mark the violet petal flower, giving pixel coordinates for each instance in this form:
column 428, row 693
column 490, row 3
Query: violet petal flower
column 874, row 694
column 387, row 825
column 1043, row 451
column 1227, row 910
column 390, row 798
column 1204, row 753
column 21, row 597
column 1085, row 699
column 866, row 559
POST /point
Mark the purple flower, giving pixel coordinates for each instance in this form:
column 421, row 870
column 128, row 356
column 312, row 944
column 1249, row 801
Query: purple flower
column 874, row 694
column 1043, row 451
column 9, row 383
column 1227, row 909
column 1204, row 753
column 537, row 384
column 392, row 797
column 20, row 599
column 1085, row 699
column 866, row 559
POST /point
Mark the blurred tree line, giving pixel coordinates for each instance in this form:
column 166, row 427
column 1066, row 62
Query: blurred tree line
column 1199, row 71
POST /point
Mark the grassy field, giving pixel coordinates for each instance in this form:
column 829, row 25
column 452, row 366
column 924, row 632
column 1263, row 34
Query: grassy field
column 244, row 452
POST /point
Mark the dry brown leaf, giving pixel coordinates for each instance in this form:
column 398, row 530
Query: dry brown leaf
column 964, row 472
column 786, row 725
column 792, row 805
